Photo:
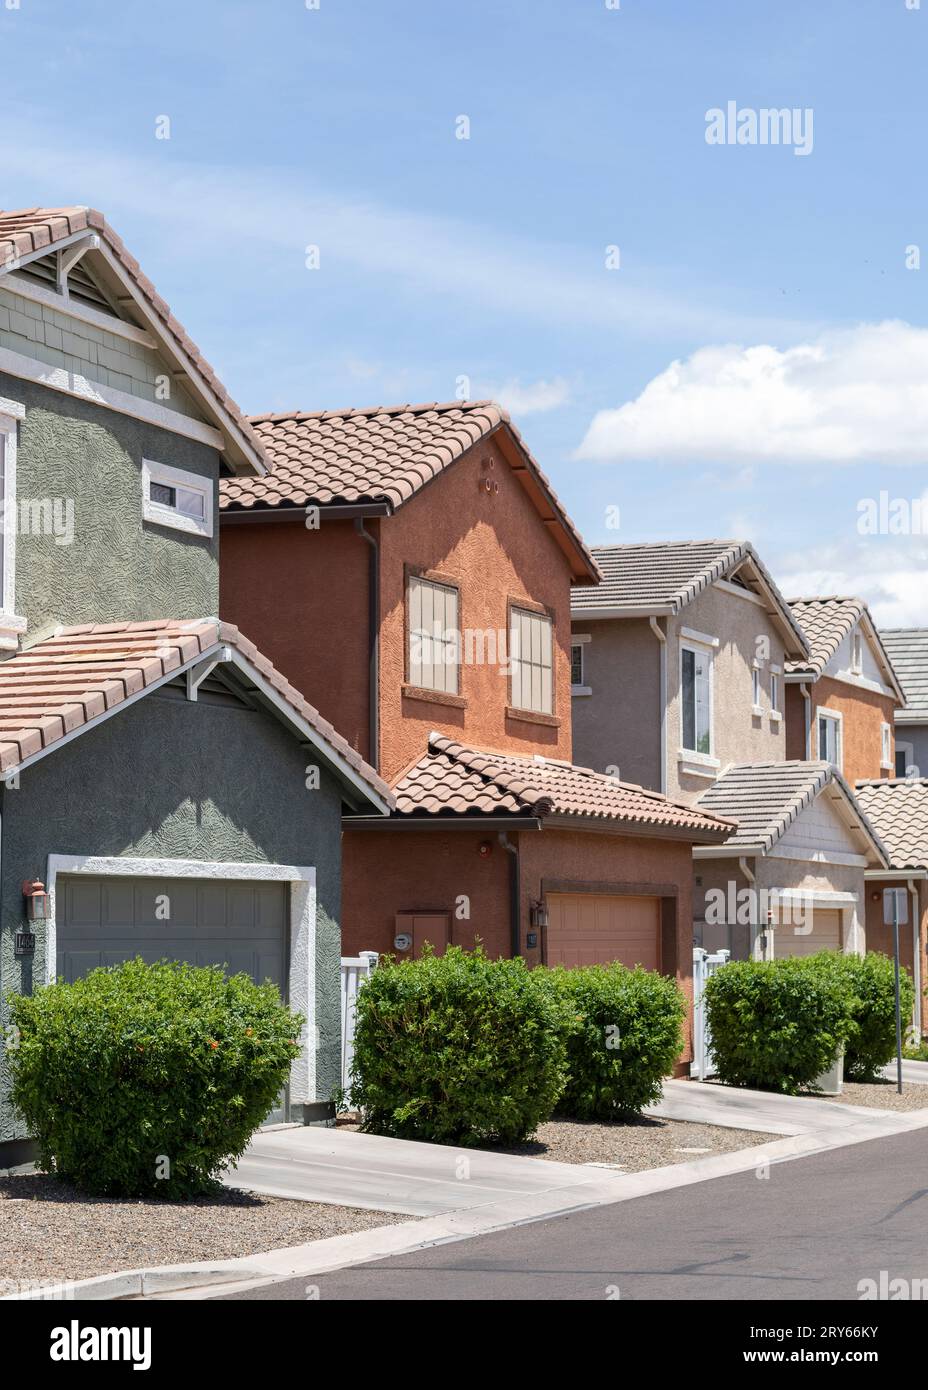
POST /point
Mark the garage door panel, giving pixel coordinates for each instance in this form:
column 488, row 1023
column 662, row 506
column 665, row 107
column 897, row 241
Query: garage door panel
column 826, row 935
column 598, row 928
column 83, row 901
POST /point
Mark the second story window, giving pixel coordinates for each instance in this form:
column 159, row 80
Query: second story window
column 531, row 659
column 696, row 695
column 434, row 643
column 173, row 497
column 886, row 745
column 857, row 659
column 755, row 687
column 576, row 664
column 829, row 737
column 774, row 692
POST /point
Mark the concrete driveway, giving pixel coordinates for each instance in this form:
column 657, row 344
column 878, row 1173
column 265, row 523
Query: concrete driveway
column 708, row 1104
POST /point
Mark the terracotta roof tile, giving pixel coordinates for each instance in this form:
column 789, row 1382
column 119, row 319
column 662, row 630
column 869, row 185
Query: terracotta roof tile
column 454, row 779
column 61, row 684
column 32, row 229
column 899, row 810
column 381, row 454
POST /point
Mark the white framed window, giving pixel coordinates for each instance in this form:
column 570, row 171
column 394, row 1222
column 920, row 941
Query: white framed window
column 696, row 699
column 434, row 643
column 755, row 687
column 774, row 692
column 857, row 658
column 905, row 760
column 829, row 726
column 886, row 745
column 531, row 661
column 576, row 664
column 173, row 497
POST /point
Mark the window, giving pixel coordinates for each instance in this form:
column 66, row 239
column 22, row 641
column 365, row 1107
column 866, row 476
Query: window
column 905, row 760
column 696, row 699
column 856, row 654
column 886, row 745
column 531, row 661
column 174, row 497
column 829, row 737
column 576, row 664
column 434, row 645
column 774, row 693
column 755, row 687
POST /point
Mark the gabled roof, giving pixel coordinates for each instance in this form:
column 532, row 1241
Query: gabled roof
column 899, row 810
column 63, row 686
column 907, row 647
column 765, row 799
column 664, row 577
column 454, row 780
column 34, row 232
column 826, row 621
column 386, row 455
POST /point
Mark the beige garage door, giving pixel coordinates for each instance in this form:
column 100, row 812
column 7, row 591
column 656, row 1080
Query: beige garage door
column 596, row 928
column 790, row 938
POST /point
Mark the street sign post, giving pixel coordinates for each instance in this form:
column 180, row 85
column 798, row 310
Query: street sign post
column 896, row 913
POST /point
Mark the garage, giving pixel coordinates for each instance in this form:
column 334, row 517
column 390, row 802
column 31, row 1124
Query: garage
column 598, row 928
column 793, row 938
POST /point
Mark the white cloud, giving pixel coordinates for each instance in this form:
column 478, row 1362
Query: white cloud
column 533, row 398
column 847, row 396
column 889, row 572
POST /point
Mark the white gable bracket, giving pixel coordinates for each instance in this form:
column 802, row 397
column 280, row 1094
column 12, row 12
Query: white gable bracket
column 196, row 675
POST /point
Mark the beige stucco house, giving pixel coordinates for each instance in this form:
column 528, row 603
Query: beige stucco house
column 679, row 660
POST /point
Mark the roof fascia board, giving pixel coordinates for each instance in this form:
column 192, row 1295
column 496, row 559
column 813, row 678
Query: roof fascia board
column 82, row 388
column 659, row 610
column 882, row 655
column 600, row 824
column 875, row 875
column 19, row 261
column 440, row 822
column 911, row 716
column 332, row 512
column 728, row 851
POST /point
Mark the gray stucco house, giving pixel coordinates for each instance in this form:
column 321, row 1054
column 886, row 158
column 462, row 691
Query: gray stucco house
column 908, row 650
column 171, row 792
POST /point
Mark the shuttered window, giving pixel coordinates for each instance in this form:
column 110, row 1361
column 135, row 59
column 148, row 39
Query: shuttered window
column 531, row 662
column 434, row 641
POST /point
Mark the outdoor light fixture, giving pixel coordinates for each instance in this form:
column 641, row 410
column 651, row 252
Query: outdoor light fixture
column 538, row 915
column 36, row 899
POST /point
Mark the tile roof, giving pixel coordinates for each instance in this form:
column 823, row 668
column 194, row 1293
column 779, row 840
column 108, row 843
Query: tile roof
column 766, row 798
column 826, row 622
column 38, row 229
column 899, row 810
column 666, row 576
column 382, row 454
column 61, row 685
column 453, row 779
column 908, row 650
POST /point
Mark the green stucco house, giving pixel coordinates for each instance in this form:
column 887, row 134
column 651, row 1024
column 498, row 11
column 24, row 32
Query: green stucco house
column 164, row 792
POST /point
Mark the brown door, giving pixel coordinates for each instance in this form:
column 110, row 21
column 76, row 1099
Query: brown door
column 434, row 927
column 794, row 938
column 597, row 928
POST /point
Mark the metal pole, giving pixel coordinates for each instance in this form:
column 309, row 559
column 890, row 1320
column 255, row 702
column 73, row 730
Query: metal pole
column 898, row 1000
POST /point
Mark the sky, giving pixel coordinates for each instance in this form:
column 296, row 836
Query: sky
column 528, row 200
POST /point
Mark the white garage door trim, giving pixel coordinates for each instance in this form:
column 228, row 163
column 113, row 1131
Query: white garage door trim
column 302, row 963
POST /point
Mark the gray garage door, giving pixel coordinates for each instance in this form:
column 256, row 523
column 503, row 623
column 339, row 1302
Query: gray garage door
column 241, row 925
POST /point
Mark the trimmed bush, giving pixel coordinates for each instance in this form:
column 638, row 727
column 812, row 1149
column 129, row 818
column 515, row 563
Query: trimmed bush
column 144, row 1080
column 625, row 1032
column 870, row 983
column 457, row 1049
column 777, row 1025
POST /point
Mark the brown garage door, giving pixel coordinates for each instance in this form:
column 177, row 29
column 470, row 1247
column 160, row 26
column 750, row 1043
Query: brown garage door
column 792, row 938
column 596, row 928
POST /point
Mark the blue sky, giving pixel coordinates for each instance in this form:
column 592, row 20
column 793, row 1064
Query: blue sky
column 777, row 281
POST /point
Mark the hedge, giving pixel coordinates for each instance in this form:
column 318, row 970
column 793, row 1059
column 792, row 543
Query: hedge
column 870, row 985
column 143, row 1080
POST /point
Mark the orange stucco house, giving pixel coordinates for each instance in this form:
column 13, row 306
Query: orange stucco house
column 409, row 570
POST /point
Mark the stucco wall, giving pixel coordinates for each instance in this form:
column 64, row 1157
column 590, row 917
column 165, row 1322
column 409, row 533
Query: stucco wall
column 744, row 630
column 173, row 779
column 495, row 546
column 118, row 568
column 618, row 725
column 301, row 596
column 863, row 711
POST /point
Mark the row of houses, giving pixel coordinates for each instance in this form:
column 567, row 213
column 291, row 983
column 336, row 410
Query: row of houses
column 281, row 688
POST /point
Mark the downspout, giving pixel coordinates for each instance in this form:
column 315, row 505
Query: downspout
column 748, row 872
column 373, row 643
column 807, row 702
column 515, row 933
column 661, row 636
column 916, row 960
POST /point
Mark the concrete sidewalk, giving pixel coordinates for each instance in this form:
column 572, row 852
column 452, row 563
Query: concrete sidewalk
column 916, row 1072
column 707, row 1104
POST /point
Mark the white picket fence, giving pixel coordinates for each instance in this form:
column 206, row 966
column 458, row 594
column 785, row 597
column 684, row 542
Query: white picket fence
column 354, row 970
column 704, row 964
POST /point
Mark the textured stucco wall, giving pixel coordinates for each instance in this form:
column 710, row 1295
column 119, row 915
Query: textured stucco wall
column 619, row 724
column 168, row 778
column 118, row 568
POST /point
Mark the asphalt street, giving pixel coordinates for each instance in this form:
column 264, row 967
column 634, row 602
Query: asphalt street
column 813, row 1228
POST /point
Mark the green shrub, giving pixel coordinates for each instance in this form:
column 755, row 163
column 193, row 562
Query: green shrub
column 148, row 1079
column 625, row 1032
column 777, row 1025
column 870, row 983
column 456, row 1049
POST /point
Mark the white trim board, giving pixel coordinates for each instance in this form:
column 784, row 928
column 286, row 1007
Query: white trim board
column 301, row 964
column 73, row 384
column 83, row 313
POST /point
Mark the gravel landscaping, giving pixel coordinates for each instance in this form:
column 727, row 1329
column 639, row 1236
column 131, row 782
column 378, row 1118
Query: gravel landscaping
column 882, row 1095
column 51, row 1233
column 633, row 1147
